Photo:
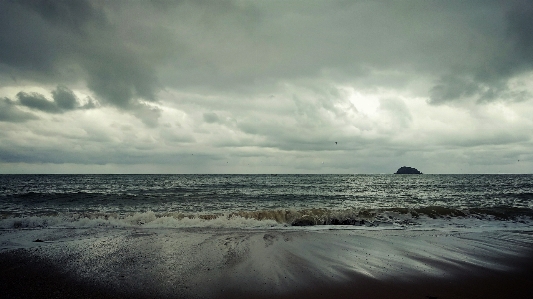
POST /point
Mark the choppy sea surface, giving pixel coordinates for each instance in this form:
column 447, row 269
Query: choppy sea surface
column 265, row 201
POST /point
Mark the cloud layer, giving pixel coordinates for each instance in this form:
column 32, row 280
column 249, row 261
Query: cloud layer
column 266, row 86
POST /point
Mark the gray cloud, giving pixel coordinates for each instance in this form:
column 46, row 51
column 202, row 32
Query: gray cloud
column 25, row 44
column 211, row 117
column 149, row 115
column 397, row 110
column 257, row 81
column 38, row 102
column 69, row 14
column 67, row 41
column 508, row 53
column 453, row 88
column 471, row 49
column 9, row 112
column 520, row 25
column 63, row 100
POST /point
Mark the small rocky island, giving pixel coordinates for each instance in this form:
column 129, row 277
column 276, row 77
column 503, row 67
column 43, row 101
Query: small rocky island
column 407, row 170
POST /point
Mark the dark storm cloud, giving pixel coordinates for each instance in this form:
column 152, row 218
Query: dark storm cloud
column 509, row 56
column 25, row 44
column 520, row 31
column 120, row 79
column 9, row 112
column 126, row 52
column 71, row 14
column 452, row 88
column 63, row 100
column 37, row 101
column 67, row 41
column 42, row 40
column 468, row 49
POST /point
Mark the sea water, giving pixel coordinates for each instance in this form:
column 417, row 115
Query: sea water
column 248, row 201
column 214, row 236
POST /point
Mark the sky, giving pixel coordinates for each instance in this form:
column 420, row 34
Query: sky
column 272, row 86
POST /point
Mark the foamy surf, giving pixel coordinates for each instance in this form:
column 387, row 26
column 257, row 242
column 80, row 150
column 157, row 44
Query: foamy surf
column 421, row 218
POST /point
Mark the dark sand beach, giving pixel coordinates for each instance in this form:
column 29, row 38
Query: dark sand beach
column 214, row 263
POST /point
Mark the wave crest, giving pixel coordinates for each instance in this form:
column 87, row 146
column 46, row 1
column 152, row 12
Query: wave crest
column 266, row 218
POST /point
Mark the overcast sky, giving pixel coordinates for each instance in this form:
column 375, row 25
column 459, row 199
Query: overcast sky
column 269, row 86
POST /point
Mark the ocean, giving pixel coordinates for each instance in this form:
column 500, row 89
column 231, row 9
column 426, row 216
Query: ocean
column 211, row 236
column 246, row 201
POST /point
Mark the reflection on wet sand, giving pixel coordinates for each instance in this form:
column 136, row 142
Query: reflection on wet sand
column 211, row 263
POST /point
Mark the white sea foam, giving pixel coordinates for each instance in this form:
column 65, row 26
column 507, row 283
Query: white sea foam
column 386, row 220
column 147, row 219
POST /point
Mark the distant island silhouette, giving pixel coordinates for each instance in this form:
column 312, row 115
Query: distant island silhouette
column 407, row 170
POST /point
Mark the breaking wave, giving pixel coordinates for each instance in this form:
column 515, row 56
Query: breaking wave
column 398, row 217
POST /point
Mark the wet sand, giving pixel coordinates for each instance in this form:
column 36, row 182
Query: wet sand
column 211, row 263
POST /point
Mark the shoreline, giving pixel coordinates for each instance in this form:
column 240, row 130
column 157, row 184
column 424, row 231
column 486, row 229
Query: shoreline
column 171, row 263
